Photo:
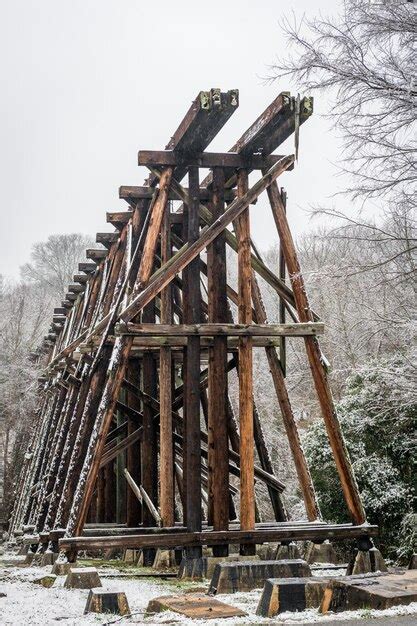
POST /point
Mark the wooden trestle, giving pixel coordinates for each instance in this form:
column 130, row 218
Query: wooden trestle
column 135, row 425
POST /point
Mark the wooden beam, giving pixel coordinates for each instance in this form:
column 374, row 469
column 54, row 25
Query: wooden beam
column 166, row 473
column 218, row 457
column 315, row 357
column 80, row 278
column 317, row 533
column 247, row 487
column 88, row 268
column 96, row 255
column 131, row 193
column 220, row 330
column 106, row 239
column 192, row 314
column 118, row 218
column 231, row 160
column 190, row 251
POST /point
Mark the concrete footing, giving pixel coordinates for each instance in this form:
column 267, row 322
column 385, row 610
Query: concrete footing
column 267, row 551
column 366, row 562
column 192, row 568
column 49, row 557
column 208, row 565
column 100, row 601
column 165, row 559
column 248, row 575
column 23, row 550
column 321, row 553
column 290, row 594
column 370, row 592
column 82, row 578
column 131, row 556
column 60, row 568
column 413, row 562
column 287, row 551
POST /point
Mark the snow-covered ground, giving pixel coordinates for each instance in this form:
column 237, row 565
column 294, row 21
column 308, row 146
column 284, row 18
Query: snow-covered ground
column 30, row 604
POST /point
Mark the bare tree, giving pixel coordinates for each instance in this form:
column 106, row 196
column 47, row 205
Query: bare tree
column 365, row 59
column 54, row 261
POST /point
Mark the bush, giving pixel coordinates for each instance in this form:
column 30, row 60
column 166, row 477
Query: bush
column 377, row 415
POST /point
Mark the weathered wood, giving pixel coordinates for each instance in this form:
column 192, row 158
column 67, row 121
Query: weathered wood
column 132, row 193
column 133, row 452
column 315, row 357
column 232, row 160
column 157, row 212
column 218, row 458
column 192, row 314
column 284, row 532
column 222, row 329
column 247, row 487
column 95, row 255
column 190, row 251
column 118, row 218
column 166, row 474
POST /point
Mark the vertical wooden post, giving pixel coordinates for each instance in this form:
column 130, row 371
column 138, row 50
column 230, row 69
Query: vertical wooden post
column 149, row 456
column 281, row 270
column 315, row 357
column 192, row 314
column 218, row 460
column 133, row 460
column 166, row 452
column 247, row 487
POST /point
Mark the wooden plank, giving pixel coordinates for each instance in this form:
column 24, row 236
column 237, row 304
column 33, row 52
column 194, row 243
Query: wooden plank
column 316, row 533
column 190, row 251
column 315, row 357
column 231, row 160
column 221, row 329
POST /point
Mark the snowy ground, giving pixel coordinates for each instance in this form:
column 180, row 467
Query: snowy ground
column 27, row 603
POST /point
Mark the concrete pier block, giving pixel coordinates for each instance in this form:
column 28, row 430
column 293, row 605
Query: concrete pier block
column 366, row 562
column 321, row 553
column 49, row 558
column 369, row 592
column 248, row 575
column 62, row 568
column 413, row 562
column 192, row 568
column 209, row 564
column 101, row 601
column 288, row 551
column 82, row 578
column 267, row 551
column 164, row 559
column 290, row 594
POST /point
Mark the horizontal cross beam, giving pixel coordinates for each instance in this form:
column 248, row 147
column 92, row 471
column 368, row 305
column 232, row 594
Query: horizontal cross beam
column 231, row 160
column 215, row 330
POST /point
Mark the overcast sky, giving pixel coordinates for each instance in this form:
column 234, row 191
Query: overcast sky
column 86, row 83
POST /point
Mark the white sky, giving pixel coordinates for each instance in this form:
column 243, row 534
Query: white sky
column 86, row 83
